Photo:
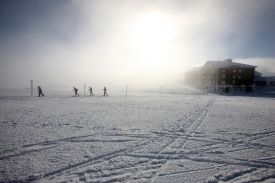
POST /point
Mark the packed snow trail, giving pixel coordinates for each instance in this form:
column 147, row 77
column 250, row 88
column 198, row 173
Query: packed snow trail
column 172, row 138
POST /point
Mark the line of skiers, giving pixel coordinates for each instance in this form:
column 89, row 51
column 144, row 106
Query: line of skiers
column 91, row 91
column 39, row 89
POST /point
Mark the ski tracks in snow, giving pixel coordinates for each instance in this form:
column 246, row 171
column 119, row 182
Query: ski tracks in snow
column 188, row 131
column 181, row 152
column 157, row 157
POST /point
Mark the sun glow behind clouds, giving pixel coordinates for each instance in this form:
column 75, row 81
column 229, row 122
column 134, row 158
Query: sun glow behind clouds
column 152, row 34
column 116, row 43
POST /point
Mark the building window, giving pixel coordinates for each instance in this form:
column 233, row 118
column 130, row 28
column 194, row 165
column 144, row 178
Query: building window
column 233, row 76
column 223, row 70
column 234, row 70
column 240, row 70
column 233, row 82
column 223, row 82
column 239, row 76
column 223, row 75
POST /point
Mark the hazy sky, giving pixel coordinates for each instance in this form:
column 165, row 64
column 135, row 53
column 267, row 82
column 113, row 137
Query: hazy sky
column 140, row 43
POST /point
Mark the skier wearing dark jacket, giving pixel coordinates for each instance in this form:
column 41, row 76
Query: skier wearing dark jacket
column 104, row 89
column 39, row 89
column 91, row 91
column 75, row 91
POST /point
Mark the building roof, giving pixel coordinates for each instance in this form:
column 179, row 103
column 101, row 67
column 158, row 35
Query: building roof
column 195, row 69
column 257, row 73
column 228, row 63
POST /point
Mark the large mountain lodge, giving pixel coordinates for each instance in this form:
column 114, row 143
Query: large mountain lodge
column 221, row 74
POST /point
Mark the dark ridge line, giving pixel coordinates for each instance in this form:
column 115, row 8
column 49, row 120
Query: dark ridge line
column 162, row 132
column 101, row 141
column 241, row 149
column 208, row 168
column 115, row 173
column 264, row 178
column 58, row 140
column 143, row 136
column 166, row 145
column 157, row 156
column 267, row 158
column 236, row 174
column 135, row 166
column 255, row 134
column 14, row 181
column 258, row 161
column 228, row 162
column 204, row 140
column 234, row 142
column 257, row 164
column 261, row 145
column 28, row 151
column 8, row 150
column 107, row 175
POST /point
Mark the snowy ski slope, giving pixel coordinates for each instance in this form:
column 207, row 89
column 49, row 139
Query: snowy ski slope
column 138, row 138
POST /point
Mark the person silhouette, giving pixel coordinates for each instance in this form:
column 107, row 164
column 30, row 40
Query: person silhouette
column 104, row 89
column 75, row 91
column 39, row 89
column 91, row 91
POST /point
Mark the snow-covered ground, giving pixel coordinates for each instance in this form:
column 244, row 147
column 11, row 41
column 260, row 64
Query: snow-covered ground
column 148, row 137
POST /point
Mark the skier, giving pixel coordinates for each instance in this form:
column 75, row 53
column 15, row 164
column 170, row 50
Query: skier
column 91, row 91
column 75, row 91
column 105, row 91
column 39, row 91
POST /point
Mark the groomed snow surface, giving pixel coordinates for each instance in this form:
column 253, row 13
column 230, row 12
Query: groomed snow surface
column 139, row 138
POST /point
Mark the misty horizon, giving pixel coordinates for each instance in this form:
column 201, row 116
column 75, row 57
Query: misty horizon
column 143, row 44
